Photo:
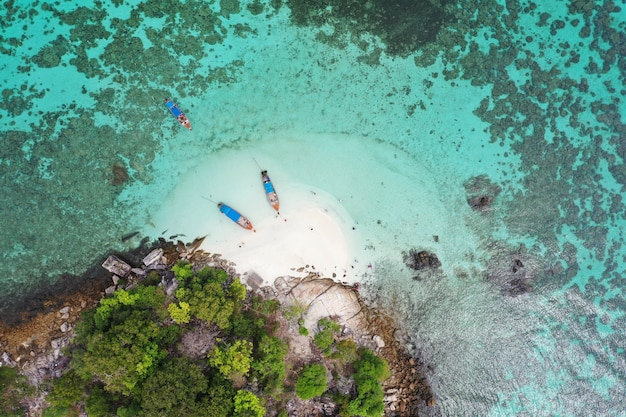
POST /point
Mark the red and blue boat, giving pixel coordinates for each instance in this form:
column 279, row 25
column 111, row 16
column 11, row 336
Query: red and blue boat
column 270, row 192
column 177, row 113
column 235, row 216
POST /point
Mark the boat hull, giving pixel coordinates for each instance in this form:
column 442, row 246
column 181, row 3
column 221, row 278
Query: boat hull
column 270, row 192
column 178, row 113
column 235, row 216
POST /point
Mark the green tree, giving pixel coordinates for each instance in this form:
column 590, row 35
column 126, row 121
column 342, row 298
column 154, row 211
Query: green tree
column 13, row 388
column 126, row 353
column 325, row 337
column 174, row 389
column 208, row 294
column 180, row 312
column 153, row 278
column 370, row 371
column 218, row 402
column 212, row 274
column 264, row 306
column 295, row 311
column 99, row 403
column 113, row 309
column 59, row 412
column 182, row 270
column 207, row 301
column 270, row 367
column 312, row 382
column 237, row 291
column 123, row 340
column 233, row 361
column 369, row 401
column 131, row 410
column 66, row 391
column 371, row 366
column 345, row 351
column 248, row 405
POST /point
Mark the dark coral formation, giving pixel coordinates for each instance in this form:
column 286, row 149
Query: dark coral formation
column 403, row 25
column 421, row 261
column 120, row 175
column 554, row 101
column 480, row 202
column 517, row 280
column 481, row 192
column 511, row 270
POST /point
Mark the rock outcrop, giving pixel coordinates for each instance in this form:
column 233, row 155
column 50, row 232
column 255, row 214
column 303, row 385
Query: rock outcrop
column 481, row 192
column 407, row 392
column 322, row 297
column 422, row 262
column 511, row 270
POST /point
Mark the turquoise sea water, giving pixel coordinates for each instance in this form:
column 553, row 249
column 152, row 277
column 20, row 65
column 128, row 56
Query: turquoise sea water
column 444, row 100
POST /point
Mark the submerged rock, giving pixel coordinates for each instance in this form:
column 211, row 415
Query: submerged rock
column 518, row 281
column 421, row 260
column 481, row 202
column 481, row 192
column 511, row 270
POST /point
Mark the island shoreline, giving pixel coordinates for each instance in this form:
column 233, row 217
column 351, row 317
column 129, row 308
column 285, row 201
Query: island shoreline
column 33, row 344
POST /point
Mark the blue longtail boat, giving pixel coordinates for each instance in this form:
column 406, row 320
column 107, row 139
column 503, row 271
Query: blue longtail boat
column 177, row 113
column 270, row 192
column 235, row 216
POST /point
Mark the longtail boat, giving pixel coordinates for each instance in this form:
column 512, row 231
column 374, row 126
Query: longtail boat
column 177, row 113
column 235, row 216
column 270, row 192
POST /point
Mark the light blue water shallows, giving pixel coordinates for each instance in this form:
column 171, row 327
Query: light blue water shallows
column 529, row 95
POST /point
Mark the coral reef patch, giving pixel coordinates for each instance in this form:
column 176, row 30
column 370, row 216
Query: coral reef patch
column 481, row 192
column 421, row 261
column 404, row 26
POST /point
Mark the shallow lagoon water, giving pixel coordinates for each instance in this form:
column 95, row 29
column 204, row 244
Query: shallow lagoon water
column 530, row 96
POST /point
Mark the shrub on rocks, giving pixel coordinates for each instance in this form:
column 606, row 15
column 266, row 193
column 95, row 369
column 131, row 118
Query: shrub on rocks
column 312, row 381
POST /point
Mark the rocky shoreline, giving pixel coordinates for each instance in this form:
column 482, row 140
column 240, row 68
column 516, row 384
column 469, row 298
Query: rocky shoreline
column 35, row 345
column 407, row 392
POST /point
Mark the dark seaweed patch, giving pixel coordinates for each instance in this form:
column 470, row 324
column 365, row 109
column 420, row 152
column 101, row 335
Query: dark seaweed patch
column 404, row 25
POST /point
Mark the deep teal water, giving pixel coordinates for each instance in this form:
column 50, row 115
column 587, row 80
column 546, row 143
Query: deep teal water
column 524, row 102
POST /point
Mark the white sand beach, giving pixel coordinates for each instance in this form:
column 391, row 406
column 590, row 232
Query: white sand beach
column 344, row 206
column 312, row 232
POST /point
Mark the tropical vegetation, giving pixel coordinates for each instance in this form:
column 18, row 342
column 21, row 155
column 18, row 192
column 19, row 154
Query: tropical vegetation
column 207, row 349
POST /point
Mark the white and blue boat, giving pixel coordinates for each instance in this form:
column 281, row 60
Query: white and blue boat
column 235, row 216
column 270, row 192
column 177, row 113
